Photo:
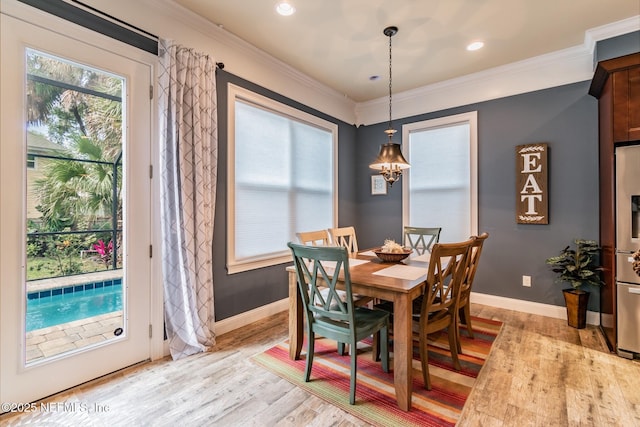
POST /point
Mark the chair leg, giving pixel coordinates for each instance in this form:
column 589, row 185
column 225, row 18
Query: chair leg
column 354, row 367
column 375, row 347
column 383, row 334
column 456, row 328
column 341, row 347
column 424, row 359
column 467, row 319
column 310, row 350
column 464, row 316
column 453, row 345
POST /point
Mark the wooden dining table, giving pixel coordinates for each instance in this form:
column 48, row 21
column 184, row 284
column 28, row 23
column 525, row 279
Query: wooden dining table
column 401, row 290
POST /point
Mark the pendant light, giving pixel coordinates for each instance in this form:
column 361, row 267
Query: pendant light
column 390, row 161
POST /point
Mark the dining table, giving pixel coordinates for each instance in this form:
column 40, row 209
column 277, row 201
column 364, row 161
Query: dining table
column 400, row 282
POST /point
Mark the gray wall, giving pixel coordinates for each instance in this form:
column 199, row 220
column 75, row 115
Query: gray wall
column 617, row 46
column 566, row 118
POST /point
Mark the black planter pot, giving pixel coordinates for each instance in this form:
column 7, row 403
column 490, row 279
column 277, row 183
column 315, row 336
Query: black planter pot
column 576, row 301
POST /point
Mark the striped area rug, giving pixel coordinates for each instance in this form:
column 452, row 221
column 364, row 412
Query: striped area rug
column 375, row 394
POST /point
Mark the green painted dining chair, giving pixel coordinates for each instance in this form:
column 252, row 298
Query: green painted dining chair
column 330, row 316
column 420, row 239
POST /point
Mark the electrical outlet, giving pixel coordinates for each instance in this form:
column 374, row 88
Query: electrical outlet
column 526, row 281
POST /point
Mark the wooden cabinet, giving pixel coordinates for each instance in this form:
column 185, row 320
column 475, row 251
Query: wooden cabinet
column 616, row 84
column 626, row 104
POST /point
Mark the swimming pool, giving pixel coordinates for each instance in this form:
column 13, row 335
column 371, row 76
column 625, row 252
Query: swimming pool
column 62, row 305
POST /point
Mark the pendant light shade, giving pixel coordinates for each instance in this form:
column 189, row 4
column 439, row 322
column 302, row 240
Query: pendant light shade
column 390, row 161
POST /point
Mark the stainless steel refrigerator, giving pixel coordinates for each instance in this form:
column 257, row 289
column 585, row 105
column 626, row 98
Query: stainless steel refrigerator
column 627, row 242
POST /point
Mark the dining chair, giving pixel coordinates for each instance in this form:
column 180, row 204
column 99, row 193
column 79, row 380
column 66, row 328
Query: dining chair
column 345, row 237
column 330, row 316
column 438, row 311
column 447, row 268
column 420, row 239
column 314, row 238
column 464, row 310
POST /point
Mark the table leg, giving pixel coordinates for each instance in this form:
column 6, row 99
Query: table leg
column 402, row 350
column 296, row 325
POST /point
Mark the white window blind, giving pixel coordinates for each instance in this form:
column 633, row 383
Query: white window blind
column 282, row 178
column 440, row 189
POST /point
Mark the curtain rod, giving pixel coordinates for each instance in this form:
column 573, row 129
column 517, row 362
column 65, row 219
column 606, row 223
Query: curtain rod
column 155, row 38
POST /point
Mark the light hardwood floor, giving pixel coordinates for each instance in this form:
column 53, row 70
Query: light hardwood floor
column 541, row 373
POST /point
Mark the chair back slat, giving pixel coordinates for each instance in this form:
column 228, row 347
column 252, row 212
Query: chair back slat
column 447, row 267
column 420, row 239
column 474, row 259
column 314, row 238
column 345, row 237
column 319, row 270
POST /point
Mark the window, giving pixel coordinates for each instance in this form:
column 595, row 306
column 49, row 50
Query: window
column 31, row 161
column 440, row 189
column 282, row 168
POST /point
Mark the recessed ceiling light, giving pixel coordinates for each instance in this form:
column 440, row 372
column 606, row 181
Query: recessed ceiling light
column 285, row 8
column 475, row 46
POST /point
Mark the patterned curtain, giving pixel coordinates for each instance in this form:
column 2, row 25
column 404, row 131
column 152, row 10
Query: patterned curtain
column 188, row 171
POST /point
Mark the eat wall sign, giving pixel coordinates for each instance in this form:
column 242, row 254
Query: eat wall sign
column 532, row 196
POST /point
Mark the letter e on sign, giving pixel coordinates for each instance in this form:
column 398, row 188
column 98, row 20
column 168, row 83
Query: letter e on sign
column 532, row 195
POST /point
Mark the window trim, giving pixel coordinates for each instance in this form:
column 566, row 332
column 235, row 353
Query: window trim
column 239, row 93
column 472, row 119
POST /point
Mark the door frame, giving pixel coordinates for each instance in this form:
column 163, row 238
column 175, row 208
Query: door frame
column 11, row 9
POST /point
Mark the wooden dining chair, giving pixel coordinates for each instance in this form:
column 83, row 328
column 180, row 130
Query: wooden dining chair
column 447, row 268
column 438, row 310
column 464, row 310
column 345, row 237
column 420, row 239
column 314, row 238
column 329, row 315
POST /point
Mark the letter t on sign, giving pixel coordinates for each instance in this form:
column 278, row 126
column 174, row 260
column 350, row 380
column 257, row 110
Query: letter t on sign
column 532, row 195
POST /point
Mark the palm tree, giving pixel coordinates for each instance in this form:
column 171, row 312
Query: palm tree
column 73, row 193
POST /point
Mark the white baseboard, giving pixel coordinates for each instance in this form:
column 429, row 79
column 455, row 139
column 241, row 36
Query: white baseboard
column 231, row 323
column 557, row 312
column 243, row 319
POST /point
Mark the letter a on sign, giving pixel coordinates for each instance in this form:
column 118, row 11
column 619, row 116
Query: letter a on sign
column 532, row 203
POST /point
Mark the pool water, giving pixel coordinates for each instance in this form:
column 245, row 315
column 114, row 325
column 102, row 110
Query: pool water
column 53, row 310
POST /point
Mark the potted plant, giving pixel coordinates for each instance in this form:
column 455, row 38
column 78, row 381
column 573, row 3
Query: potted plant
column 580, row 268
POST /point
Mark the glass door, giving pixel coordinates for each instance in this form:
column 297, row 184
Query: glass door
column 75, row 190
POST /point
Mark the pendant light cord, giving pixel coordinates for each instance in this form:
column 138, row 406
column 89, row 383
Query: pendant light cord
column 390, row 79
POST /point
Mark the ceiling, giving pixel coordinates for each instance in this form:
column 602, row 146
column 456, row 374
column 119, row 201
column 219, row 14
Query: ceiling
column 341, row 44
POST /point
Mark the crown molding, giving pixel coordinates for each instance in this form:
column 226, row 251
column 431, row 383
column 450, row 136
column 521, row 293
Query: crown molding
column 558, row 68
column 541, row 72
column 608, row 31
